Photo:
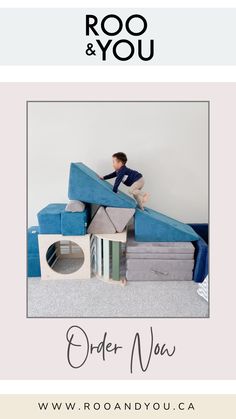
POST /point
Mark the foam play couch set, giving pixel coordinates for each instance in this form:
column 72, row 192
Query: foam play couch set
column 158, row 247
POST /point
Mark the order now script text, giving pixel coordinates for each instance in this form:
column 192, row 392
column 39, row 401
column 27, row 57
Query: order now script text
column 80, row 348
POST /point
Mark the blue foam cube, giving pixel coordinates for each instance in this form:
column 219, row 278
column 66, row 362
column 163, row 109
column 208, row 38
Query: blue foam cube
column 32, row 239
column 74, row 223
column 49, row 219
column 33, row 266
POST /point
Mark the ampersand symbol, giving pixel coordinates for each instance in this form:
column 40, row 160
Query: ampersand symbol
column 89, row 50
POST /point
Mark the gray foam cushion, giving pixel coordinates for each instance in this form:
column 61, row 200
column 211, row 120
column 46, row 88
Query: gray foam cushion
column 151, row 276
column 159, row 270
column 101, row 223
column 132, row 255
column 134, row 246
column 75, row 206
column 165, row 265
column 120, row 217
column 159, row 247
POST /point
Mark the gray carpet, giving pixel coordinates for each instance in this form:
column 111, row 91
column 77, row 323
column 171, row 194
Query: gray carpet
column 94, row 298
column 64, row 266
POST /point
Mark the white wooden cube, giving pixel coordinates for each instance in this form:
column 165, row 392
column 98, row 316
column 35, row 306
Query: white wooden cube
column 72, row 252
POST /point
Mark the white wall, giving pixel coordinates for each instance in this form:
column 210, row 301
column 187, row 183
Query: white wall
column 166, row 141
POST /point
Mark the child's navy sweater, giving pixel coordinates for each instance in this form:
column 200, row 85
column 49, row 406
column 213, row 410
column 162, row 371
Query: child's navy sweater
column 125, row 175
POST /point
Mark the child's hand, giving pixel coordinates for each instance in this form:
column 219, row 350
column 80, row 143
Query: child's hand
column 100, row 177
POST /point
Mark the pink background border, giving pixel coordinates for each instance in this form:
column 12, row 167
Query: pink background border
column 36, row 348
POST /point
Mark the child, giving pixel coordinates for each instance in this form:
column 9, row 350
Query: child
column 129, row 177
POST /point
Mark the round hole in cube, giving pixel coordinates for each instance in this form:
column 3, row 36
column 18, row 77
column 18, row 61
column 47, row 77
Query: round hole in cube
column 65, row 257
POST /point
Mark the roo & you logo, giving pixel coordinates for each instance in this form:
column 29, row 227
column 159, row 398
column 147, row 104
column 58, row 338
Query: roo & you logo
column 122, row 49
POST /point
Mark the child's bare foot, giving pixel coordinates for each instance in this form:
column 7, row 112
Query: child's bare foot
column 140, row 205
column 145, row 197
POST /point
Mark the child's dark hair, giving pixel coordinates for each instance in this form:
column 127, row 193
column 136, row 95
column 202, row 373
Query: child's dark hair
column 120, row 156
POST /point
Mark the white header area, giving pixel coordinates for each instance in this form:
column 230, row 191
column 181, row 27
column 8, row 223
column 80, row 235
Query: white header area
column 118, row 74
column 115, row 3
column 178, row 36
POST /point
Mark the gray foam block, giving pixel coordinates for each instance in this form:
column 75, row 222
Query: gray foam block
column 151, row 276
column 75, row 206
column 159, row 247
column 159, row 270
column 120, row 217
column 101, row 223
column 153, row 248
column 184, row 256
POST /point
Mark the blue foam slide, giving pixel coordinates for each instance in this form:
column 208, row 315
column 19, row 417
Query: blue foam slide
column 74, row 223
column 32, row 240
column 201, row 268
column 49, row 219
column 86, row 186
column 33, row 266
column 152, row 226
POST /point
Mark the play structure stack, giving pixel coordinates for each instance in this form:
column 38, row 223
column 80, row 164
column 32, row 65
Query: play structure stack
column 99, row 221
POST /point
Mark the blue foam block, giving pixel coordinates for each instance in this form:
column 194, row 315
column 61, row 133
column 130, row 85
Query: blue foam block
column 86, row 186
column 32, row 239
column 202, row 230
column 201, row 268
column 152, row 226
column 33, row 266
column 49, row 219
column 74, row 223
column 201, row 260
